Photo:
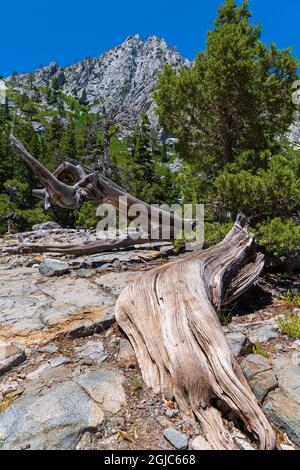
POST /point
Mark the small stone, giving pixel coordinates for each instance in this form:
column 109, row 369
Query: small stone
column 117, row 265
column 46, row 226
column 114, row 341
column 93, row 350
column 58, row 361
column 11, row 355
column 199, row 443
column 9, row 388
column 126, row 355
column 25, row 446
column 171, row 413
column 83, row 273
column 29, row 263
column 52, row 267
column 176, row 438
column 238, row 343
column 49, row 348
column 296, row 312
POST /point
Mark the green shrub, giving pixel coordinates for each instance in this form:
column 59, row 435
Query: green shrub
column 292, row 298
column 280, row 237
column 136, row 383
column 214, row 233
column 29, row 217
column 6, row 207
column 18, row 192
column 270, row 193
column 261, row 351
column 289, row 324
column 86, row 216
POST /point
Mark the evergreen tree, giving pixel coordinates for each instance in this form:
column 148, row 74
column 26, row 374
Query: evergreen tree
column 142, row 150
column 87, row 141
column 24, row 131
column 141, row 172
column 69, row 144
column 52, row 141
column 55, row 84
column 235, row 97
column 83, row 99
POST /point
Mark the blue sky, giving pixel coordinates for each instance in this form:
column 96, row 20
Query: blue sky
column 34, row 32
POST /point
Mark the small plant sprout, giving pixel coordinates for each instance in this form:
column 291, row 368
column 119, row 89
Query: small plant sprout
column 262, row 351
column 292, row 298
column 136, row 383
column 289, row 324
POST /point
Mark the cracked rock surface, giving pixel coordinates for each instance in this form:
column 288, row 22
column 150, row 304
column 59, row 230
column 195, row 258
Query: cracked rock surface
column 69, row 378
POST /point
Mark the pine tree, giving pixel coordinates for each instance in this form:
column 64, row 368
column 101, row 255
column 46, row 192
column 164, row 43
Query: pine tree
column 52, row 141
column 69, row 144
column 141, row 173
column 237, row 95
column 83, row 99
column 142, row 151
column 87, row 141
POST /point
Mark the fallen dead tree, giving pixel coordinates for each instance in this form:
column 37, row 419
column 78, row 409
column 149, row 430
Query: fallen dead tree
column 90, row 185
column 169, row 315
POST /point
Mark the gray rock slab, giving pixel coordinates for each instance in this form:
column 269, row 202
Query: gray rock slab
column 287, row 371
column 46, row 226
column 176, row 438
column 51, row 419
column 105, row 387
column 259, row 373
column 55, row 414
column 262, row 334
column 284, row 413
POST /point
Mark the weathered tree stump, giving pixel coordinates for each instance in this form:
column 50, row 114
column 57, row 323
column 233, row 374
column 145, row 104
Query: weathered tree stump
column 169, row 315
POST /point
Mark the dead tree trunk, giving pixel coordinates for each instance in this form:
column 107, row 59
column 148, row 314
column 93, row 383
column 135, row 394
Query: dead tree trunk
column 169, row 316
column 156, row 224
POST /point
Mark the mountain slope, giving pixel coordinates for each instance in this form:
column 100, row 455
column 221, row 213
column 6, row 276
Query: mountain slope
column 125, row 75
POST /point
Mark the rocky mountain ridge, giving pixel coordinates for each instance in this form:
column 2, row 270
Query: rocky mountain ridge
column 125, row 76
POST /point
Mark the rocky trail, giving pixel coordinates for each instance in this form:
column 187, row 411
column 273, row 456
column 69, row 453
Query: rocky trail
column 69, row 378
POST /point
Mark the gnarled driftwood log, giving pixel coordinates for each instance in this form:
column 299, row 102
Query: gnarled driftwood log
column 90, row 185
column 169, row 316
